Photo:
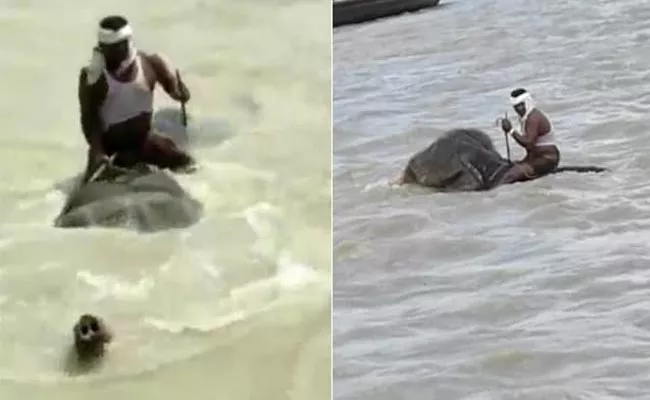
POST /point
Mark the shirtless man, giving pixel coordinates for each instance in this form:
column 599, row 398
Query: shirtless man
column 542, row 155
column 116, row 102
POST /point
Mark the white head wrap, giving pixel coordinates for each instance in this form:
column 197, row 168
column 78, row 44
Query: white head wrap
column 108, row 36
column 97, row 63
column 527, row 99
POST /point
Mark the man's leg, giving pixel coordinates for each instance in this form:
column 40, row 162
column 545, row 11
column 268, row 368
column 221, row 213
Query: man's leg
column 163, row 153
column 545, row 164
column 531, row 168
column 519, row 172
column 127, row 149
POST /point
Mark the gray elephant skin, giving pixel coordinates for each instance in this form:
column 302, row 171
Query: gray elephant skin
column 464, row 159
column 144, row 199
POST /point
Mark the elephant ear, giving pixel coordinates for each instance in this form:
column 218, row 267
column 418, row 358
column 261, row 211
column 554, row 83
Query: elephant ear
column 480, row 139
column 436, row 166
column 424, row 169
column 490, row 165
column 468, row 176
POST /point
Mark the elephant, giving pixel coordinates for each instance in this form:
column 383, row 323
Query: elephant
column 464, row 159
column 143, row 198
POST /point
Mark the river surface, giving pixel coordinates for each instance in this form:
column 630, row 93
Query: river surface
column 234, row 307
column 537, row 290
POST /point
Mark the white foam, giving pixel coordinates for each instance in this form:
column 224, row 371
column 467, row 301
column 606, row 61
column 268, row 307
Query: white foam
column 111, row 287
column 382, row 183
column 256, row 217
column 292, row 274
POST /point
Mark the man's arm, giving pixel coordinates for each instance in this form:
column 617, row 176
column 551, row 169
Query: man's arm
column 89, row 113
column 167, row 77
column 528, row 139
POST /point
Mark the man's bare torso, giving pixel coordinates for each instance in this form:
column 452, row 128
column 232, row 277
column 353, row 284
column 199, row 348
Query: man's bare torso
column 540, row 122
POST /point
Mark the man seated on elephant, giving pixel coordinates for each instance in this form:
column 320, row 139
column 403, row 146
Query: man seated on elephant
column 116, row 102
column 537, row 137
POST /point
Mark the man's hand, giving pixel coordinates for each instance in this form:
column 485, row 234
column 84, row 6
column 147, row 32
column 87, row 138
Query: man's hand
column 98, row 157
column 104, row 159
column 506, row 126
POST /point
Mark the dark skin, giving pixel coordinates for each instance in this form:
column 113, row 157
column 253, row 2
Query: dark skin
column 91, row 336
column 95, row 337
column 155, row 69
column 537, row 124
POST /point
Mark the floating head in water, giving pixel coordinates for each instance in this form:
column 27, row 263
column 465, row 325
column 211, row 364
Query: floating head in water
column 91, row 335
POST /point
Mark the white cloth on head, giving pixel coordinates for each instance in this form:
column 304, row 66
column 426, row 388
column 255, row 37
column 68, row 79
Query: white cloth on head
column 109, row 36
column 97, row 63
column 529, row 104
column 548, row 138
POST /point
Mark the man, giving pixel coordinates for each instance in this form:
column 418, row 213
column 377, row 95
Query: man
column 537, row 137
column 116, row 102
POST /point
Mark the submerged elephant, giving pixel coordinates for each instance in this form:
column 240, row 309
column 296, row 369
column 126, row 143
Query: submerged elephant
column 143, row 198
column 464, row 160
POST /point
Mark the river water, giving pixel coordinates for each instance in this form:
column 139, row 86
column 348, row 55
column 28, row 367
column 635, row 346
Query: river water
column 235, row 307
column 531, row 291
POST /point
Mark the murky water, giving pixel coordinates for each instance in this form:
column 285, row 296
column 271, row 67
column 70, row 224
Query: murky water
column 235, row 307
column 531, row 291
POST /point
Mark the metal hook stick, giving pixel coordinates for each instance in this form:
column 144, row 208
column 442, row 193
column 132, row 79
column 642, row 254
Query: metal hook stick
column 507, row 142
column 183, row 111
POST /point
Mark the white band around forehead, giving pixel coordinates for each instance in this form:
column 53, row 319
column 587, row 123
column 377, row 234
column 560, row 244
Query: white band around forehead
column 107, row 36
column 520, row 99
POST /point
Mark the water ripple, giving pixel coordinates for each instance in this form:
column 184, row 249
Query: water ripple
column 531, row 291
